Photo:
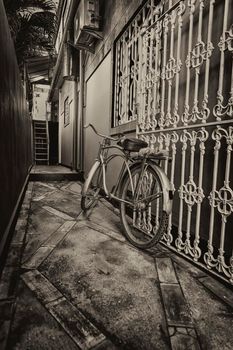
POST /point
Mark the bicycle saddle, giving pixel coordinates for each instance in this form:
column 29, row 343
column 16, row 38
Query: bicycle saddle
column 132, row 144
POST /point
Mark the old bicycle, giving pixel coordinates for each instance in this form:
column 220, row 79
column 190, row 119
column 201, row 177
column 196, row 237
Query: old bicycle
column 142, row 189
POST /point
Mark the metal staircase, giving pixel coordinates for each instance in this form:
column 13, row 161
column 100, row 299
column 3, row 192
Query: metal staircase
column 41, row 142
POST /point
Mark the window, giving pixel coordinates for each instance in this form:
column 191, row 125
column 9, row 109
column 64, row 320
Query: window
column 126, row 61
column 126, row 77
column 66, row 112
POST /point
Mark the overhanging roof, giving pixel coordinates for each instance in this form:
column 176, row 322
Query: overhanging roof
column 39, row 68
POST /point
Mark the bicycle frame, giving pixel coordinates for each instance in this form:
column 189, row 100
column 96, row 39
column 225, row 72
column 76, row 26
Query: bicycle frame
column 128, row 165
column 102, row 161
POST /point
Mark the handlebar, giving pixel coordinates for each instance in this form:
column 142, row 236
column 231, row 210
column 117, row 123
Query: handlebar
column 97, row 133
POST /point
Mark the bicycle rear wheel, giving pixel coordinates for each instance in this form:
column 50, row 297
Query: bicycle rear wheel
column 144, row 220
column 92, row 192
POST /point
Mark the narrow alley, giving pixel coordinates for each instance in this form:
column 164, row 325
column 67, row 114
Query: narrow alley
column 116, row 197
column 72, row 281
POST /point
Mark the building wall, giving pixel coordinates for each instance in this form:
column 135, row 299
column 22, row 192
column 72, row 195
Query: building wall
column 40, row 106
column 115, row 17
column 98, row 113
column 161, row 101
column 15, row 130
column 66, row 131
column 98, row 102
column 98, row 78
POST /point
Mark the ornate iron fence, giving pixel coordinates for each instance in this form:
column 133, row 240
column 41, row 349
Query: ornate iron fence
column 182, row 83
column 127, row 55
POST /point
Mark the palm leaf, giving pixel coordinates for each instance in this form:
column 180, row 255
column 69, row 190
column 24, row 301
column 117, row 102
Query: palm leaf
column 32, row 24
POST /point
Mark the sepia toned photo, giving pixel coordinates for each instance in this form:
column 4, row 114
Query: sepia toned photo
column 116, row 195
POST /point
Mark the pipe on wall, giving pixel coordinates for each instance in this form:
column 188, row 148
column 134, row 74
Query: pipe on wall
column 81, row 112
column 75, row 117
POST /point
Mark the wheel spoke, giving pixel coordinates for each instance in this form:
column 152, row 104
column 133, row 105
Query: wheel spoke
column 143, row 220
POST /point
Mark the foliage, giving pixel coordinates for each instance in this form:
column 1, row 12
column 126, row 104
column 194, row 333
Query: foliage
column 32, row 25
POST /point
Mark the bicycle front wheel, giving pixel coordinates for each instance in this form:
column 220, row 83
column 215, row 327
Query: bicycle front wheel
column 143, row 218
column 92, row 189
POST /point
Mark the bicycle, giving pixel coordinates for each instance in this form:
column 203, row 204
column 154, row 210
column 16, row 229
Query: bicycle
column 143, row 190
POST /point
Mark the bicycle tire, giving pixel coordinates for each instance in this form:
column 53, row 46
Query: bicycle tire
column 134, row 233
column 90, row 197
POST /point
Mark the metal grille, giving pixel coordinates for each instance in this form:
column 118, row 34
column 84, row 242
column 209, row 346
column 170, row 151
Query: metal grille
column 127, row 65
column 185, row 104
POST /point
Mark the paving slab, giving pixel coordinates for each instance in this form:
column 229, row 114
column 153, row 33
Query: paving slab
column 189, row 266
column 217, row 288
column 166, row 270
column 42, row 288
column 176, row 308
column 37, row 258
column 103, row 215
column 212, row 318
column 51, row 169
column 47, row 246
column 34, row 328
column 40, row 227
column 112, row 284
column 39, row 190
column 43, row 196
column 74, row 187
column 20, row 230
column 58, row 213
column 58, row 235
column 82, row 268
column 105, row 230
column 53, row 173
column 44, row 186
column 65, row 202
column 81, row 330
column 183, row 338
column 180, row 324
column 8, row 282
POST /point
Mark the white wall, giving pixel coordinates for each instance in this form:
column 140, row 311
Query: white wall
column 40, row 107
column 98, row 98
column 66, row 132
column 98, row 112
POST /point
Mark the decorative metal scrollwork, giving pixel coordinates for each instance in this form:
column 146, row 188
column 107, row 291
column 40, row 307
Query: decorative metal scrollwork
column 191, row 4
column 226, row 41
column 219, row 262
column 171, row 69
column 222, row 200
column 199, row 54
column 164, row 114
column 191, row 193
column 220, row 110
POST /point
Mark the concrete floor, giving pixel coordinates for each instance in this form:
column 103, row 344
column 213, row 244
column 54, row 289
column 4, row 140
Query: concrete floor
column 51, row 169
column 54, row 173
column 74, row 282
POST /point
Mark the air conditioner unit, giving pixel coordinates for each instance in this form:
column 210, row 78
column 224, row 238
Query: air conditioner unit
column 86, row 22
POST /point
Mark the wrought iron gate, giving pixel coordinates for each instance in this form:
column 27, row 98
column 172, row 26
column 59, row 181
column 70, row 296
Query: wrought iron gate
column 184, row 103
